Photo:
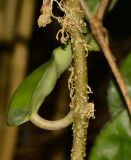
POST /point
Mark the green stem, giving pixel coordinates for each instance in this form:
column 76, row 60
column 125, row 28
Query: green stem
column 80, row 103
column 80, row 80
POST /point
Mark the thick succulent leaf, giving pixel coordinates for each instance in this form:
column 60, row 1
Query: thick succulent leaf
column 31, row 93
column 19, row 107
column 114, row 98
column 114, row 141
column 94, row 5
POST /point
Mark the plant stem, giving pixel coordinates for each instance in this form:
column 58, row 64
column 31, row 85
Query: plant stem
column 80, row 102
column 51, row 125
column 97, row 30
column 102, row 9
column 80, row 122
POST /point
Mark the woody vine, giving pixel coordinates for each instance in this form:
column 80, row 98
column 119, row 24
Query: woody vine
column 74, row 57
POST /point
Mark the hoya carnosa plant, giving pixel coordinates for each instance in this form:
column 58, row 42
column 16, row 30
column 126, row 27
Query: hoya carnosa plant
column 31, row 93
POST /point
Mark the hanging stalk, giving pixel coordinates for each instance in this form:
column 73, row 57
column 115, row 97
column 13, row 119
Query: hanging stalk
column 83, row 110
column 80, row 100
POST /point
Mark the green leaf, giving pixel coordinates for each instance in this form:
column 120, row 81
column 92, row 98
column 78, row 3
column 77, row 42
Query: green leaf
column 94, row 5
column 31, row 93
column 114, row 98
column 92, row 42
column 114, row 141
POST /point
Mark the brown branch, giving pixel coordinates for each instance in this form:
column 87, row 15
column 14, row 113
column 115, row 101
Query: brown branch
column 102, row 9
column 97, row 30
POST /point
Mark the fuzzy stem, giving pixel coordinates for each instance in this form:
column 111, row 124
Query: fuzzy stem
column 80, row 122
column 80, row 80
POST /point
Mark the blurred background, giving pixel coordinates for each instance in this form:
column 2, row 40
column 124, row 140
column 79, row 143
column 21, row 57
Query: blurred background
column 24, row 47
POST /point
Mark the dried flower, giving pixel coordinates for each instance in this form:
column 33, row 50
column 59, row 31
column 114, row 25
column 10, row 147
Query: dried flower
column 45, row 17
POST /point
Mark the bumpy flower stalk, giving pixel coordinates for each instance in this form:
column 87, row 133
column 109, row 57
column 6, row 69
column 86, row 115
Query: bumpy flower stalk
column 83, row 110
column 80, row 100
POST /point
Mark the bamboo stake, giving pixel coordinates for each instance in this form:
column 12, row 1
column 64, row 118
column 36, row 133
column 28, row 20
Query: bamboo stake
column 9, row 19
column 4, row 61
column 18, row 69
column 1, row 19
column 8, row 10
